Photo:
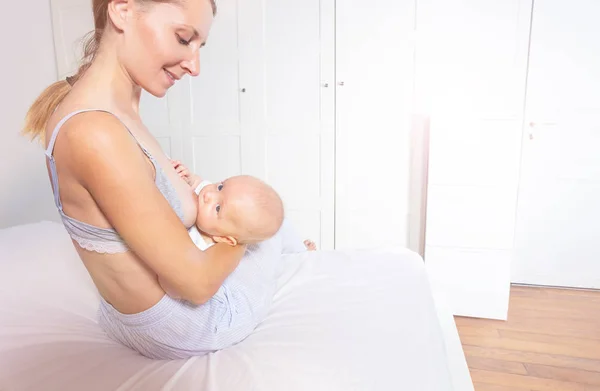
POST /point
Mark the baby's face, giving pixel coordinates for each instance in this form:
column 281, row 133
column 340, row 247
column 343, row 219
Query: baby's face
column 217, row 209
column 241, row 207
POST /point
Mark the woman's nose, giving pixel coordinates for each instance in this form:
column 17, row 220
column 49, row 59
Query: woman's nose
column 192, row 66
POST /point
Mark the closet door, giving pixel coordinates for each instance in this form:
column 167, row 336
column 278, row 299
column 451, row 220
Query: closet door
column 374, row 71
column 471, row 70
column 559, row 198
column 286, row 69
column 210, row 103
column 71, row 21
column 263, row 105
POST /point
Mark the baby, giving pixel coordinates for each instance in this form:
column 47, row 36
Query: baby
column 240, row 210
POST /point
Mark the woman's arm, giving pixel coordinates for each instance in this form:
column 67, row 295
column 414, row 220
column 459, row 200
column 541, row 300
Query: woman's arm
column 111, row 166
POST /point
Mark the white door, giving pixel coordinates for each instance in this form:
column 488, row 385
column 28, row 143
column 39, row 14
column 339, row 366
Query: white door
column 210, row 103
column 290, row 107
column 374, row 86
column 558, row 215
column 471, row 69
column 72, row 20
column 263, row 105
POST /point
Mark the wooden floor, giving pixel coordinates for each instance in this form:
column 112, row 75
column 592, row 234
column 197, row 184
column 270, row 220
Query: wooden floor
column 551, row 342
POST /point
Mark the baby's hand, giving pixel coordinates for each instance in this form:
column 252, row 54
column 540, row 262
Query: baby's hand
column 182, row 171
column 191, row 179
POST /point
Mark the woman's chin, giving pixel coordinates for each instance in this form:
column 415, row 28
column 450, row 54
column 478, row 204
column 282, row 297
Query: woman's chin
column 158, row 90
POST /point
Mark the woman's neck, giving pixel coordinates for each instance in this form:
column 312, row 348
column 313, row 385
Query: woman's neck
column 106, row 75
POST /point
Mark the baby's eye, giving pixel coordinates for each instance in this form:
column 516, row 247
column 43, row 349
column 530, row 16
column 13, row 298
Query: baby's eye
column 220, row 187
column 218, row 208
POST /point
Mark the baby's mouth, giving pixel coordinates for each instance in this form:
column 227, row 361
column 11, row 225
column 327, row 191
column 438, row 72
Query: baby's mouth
column 200, row 188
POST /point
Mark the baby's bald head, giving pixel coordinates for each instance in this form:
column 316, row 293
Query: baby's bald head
column 258, row 210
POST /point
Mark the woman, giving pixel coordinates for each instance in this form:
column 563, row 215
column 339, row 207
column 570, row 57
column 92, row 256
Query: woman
column 120, row 199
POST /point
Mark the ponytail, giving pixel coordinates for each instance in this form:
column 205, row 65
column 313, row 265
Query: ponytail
column 43, row 107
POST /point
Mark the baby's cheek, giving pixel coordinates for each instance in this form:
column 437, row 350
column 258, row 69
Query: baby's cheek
column 232, row 228
column 200, row 216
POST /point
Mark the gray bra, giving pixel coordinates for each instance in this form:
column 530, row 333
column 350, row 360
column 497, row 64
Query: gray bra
column 89, row 237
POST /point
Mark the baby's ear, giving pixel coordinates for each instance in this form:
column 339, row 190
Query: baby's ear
column 230, row 240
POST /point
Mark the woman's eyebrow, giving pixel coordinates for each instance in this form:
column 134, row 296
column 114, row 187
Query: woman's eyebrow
column 197, row 34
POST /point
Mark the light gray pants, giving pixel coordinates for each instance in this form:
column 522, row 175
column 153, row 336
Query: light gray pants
column 173, row 329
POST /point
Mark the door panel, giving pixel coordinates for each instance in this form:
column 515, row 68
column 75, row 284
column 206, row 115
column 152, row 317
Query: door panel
column 293, row 67
column 374, row 71
column 471, row 76
column 286, row 57
column 211, row 102
column 71, row 21
column 558, row 209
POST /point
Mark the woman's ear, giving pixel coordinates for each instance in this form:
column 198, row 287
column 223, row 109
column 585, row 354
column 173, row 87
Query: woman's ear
column 230, row 240
column 120, row 12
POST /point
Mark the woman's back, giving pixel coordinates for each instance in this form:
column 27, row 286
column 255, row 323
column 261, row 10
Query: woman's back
column 122, row 279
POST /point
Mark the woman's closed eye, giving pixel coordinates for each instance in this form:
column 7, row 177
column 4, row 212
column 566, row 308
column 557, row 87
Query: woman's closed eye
column 183, row 41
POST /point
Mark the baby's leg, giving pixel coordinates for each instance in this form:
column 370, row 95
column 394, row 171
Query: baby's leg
column 253, row 283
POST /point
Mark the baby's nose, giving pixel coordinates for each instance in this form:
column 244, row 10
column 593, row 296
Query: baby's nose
column 208, row 195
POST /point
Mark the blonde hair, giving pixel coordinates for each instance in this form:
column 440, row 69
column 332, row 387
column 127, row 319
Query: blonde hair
column 42, row 108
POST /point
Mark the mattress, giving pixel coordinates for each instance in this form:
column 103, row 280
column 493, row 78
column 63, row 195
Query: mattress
column 355, row 320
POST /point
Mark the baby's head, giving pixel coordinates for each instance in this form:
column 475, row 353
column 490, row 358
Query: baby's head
column 241, row 209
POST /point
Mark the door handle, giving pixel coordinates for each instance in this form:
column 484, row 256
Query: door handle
column 536, row 125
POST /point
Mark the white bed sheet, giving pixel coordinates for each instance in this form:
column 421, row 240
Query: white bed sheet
column 340, row 321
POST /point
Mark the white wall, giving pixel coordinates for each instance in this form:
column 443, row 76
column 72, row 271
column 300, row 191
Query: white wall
column 28, row 65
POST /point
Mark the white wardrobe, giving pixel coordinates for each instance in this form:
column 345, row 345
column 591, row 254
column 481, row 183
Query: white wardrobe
column 299, row 93
column 312, row 96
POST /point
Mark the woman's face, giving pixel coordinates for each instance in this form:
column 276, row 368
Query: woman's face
column 163, row 42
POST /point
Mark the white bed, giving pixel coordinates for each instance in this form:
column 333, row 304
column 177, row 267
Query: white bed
column 340, row 321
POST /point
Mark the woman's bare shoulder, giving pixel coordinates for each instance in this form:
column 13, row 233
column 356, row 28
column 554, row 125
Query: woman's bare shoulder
column 96, row 134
